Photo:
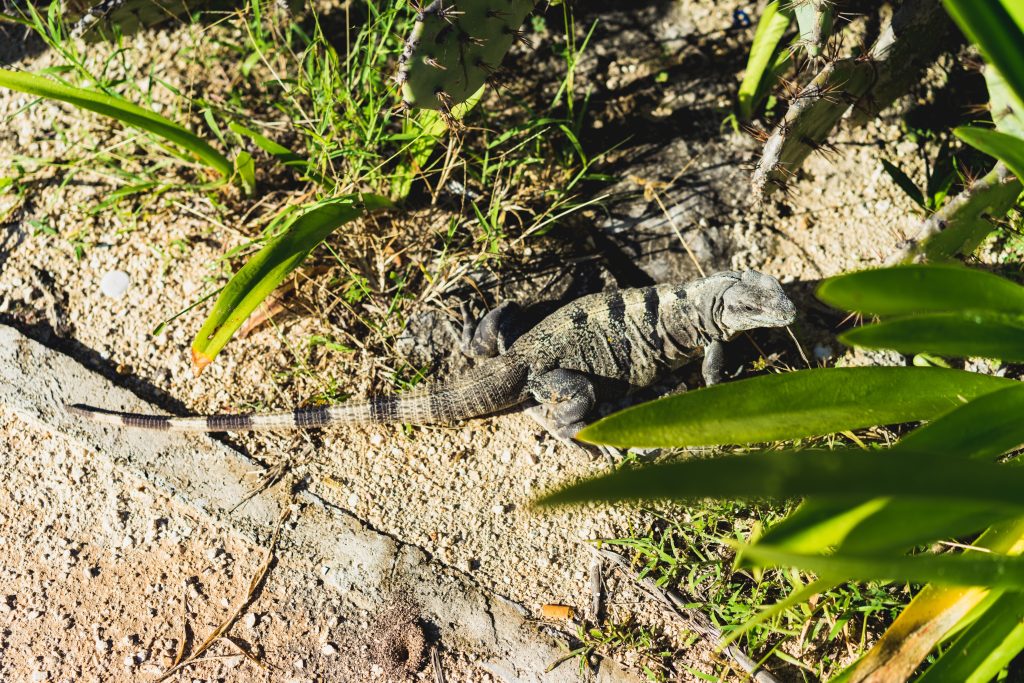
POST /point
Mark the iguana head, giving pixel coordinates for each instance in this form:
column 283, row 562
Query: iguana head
column 755, row 300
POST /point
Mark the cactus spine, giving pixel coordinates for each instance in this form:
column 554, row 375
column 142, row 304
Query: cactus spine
column 455, row 47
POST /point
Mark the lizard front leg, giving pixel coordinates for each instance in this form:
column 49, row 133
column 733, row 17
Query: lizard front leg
column 492, row 335
column 714, row 363
column 564, row 398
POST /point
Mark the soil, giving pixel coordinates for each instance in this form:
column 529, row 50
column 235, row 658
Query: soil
column 96, row 563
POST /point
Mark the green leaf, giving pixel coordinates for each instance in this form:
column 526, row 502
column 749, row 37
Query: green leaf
column 791, row 474
column 270, row 265
column 910, row 289
column 986, row 647
column 985, row 428
column 791, row 406
column 1009, row 149
column 997, row 33
column 122, row 110
column 770, row 28
column 976, row 569
column 962, row 335
column 904, row 182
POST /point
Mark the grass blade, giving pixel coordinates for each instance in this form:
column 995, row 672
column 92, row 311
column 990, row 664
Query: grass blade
column 792, row 405
column 962, row 335
column 903, row 290
column 770, row 28
column 269, row 266
column 976, row 569
column 793, row 474
column 282, row 154
column 1009, row 149
column 122, row 110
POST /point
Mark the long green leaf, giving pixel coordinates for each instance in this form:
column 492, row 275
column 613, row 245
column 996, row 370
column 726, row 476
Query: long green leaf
column 984, row 428
column 997, row 33
column 976, row 569
column 1009, row 149
column 879, row 524
column 122, row 110
column 770, row 28
column 988, row 645
column 931, row 615
column 911, row 289
column 792, row 405
column 792, row 474
column 270, row 265
column 962, row 335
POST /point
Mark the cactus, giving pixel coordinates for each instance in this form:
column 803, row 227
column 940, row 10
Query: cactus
column 454, row 48
column 918, row 32
column 96, row 19
column 961, row 225
column 815, row 19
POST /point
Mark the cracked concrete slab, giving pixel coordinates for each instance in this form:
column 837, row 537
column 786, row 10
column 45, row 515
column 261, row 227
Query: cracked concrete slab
column 210, row 478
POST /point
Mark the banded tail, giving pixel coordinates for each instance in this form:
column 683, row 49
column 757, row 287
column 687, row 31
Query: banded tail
column 492, row 386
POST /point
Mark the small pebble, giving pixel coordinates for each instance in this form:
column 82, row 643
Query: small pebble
column 299, row 664
column 129, row 661
column 329, row 650
column 250, row 620
column 115, row 283
column 40, row 676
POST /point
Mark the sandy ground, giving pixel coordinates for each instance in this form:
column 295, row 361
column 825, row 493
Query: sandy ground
column 95, row 564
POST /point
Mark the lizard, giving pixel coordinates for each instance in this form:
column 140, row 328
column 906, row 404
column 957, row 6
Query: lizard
column 596, row 347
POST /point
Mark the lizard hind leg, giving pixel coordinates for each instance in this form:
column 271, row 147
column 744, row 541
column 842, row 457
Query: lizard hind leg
column 563, row 398
column 491, row 335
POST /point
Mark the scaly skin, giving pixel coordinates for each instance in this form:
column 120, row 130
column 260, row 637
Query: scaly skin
column 601, row 345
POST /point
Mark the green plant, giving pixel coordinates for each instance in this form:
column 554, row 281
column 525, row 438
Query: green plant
column 121, row 110
column 997, row 27
column 265, row 270
column 868, row 512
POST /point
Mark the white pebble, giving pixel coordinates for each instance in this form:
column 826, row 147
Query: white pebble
column 498, row 509
column 299, row 664
column 40, row 676
column 329, row 650
column 250, row 620
column 115, row 283
column 353, row 499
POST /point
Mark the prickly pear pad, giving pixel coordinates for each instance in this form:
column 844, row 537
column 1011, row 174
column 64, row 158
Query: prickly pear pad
column 454, row 47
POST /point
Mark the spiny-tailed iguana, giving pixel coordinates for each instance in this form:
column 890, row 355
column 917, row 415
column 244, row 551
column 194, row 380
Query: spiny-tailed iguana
column 601, row 345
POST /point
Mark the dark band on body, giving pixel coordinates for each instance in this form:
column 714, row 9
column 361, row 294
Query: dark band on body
column 311, row 417
column 384, row 409
column 228, row 423
column 146, row 421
